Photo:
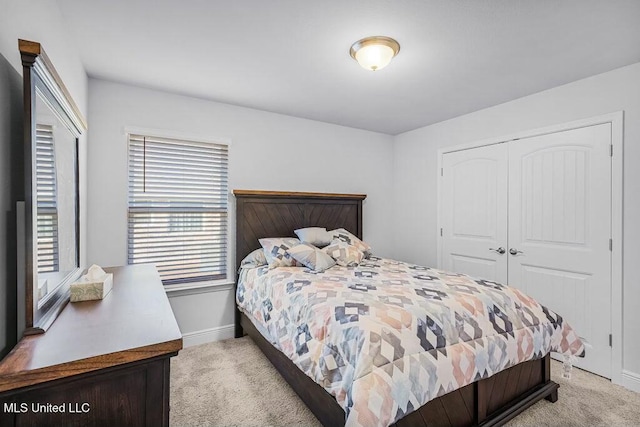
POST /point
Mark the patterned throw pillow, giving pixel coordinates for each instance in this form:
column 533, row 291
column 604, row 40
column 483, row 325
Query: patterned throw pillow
column 317, row 236
column 254, row 259
column 311, row 257
column 275, row 251
column 347, row 237
column 345, row 254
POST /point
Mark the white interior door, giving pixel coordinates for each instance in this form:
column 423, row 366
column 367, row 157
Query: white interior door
column 474, row 212
column 560, row 226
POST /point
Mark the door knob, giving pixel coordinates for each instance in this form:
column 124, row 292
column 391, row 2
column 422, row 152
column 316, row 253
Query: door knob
column 514, row 251
column 500, row 250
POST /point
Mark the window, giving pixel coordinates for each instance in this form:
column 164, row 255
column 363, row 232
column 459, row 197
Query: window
column 46, row 201
column 178, row 207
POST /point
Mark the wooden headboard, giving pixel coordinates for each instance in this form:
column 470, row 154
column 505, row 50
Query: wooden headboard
column 262, row 214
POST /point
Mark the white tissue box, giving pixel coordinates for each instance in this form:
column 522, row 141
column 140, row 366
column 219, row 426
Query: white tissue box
column 43, row 288
column 85, row 289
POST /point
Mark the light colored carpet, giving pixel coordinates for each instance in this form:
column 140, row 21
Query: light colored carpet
column 231, row 383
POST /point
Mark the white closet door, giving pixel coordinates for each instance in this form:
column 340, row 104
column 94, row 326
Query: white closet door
column 474, row 212
column 560, row 224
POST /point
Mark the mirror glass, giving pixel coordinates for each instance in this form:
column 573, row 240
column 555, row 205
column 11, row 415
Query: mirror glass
column 49, row 234
column 55, row 199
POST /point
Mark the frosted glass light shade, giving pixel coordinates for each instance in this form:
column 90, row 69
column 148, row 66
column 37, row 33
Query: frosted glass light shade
column 374, row 57
column 374, row 53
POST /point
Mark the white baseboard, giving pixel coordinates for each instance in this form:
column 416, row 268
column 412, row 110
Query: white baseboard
column 631, row 380
column 208, row 335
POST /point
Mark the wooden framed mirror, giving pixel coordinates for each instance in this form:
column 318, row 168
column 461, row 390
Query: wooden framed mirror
column 52, row 126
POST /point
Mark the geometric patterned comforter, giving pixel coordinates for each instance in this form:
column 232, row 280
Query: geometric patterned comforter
column 386, row 337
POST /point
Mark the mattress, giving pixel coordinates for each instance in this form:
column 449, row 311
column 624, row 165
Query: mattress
column 386, row 337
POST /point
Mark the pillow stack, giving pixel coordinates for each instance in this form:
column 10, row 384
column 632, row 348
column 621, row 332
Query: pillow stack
column 340, row 247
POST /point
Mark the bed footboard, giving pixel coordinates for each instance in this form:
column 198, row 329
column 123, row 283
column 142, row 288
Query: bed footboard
column 489, row 402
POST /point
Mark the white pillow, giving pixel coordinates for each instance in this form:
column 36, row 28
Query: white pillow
column 311, row 257
column 275, row 251
column 317, row 236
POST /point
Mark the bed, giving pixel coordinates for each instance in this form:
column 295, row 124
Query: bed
column 490, row 400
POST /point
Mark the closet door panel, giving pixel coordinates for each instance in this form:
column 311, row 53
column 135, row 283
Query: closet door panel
column 559, row 230
column 474, row 210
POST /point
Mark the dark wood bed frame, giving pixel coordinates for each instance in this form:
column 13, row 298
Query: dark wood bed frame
column 489, row 402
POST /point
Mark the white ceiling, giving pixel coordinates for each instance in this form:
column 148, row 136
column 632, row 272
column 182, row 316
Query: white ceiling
column 292, row 56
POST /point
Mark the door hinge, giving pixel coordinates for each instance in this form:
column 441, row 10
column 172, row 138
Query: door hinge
column 610, row 340
column 611, row 244
column 441, row 232
column 611, row 150
column 441, row 171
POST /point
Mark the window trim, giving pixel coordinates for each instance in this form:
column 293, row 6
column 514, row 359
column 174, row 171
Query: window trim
column 163, row 133
column 199, row 287
column 127, row 130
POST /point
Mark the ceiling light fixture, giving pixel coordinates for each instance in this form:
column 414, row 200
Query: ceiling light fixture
column 374, row 53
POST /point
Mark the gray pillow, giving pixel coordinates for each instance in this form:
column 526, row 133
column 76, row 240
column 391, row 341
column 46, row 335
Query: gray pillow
column 254, row 259
column 311, row 257
column 317, row 236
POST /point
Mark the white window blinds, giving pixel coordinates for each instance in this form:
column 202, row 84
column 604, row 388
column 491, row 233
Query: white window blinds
column 178, row 207
column 46, row 201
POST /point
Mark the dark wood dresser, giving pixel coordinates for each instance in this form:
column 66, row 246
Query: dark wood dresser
column 102, row 363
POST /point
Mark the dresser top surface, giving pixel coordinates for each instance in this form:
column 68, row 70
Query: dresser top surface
column 133, row 322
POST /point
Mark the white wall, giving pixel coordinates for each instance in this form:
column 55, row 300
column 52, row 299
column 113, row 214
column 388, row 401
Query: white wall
column 41, row 21
column 415, row 170
column 268, row 152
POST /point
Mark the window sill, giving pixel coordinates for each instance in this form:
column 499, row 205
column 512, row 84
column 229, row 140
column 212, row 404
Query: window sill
column 199, row 287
